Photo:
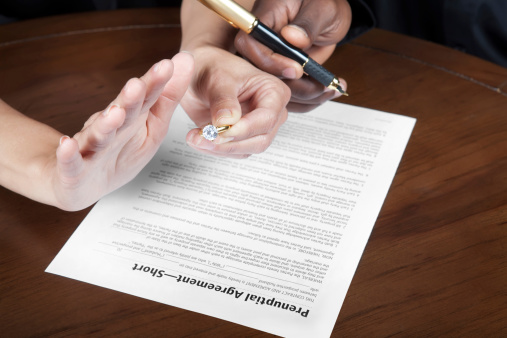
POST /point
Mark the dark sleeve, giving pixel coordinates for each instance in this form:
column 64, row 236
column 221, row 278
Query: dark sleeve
column 362, row 20
column 478, row 28
column 28, row 9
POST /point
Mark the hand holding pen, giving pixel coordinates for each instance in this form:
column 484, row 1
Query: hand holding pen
column 314, row 26
column 247, row 98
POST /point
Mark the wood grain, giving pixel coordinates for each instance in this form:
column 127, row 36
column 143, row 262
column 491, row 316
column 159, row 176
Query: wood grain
column 435, row 264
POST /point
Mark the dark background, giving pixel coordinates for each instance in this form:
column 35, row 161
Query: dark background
column 477, row 27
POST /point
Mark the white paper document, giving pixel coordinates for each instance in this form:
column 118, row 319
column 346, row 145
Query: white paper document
column 271, row 242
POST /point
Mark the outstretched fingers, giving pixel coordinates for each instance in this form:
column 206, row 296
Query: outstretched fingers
column 175, row 88
column 139, row 94
column 100, row 133
column 156, row 79
column 157, row 122
column 130, row 108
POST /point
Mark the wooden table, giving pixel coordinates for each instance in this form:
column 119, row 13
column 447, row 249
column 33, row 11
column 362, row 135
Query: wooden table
column 436, row 262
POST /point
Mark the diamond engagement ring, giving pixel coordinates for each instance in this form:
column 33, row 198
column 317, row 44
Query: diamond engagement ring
column 211, row 132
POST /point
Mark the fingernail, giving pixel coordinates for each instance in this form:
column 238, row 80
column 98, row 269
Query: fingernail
column 302, row 30
column 289, row 73
column 128, row 85
column 222, row 114
column 106, row 111
column 203, row 144
column 63, row 139
column 157, row 66
column 222, row 140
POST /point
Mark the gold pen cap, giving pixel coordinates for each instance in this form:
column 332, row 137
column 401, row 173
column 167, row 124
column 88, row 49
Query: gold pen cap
column 233, row 13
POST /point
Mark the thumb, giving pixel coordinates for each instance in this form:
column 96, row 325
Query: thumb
column 224, row 105
column 225, row 110
column 176, row 87
column 69, row 160
column 318, row 22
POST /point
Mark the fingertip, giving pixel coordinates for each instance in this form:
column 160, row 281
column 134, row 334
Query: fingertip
column 223, row 139
column 191, row 136
column 63, row 139
column 134, row 87
column 162, row 65
column 343, row 83
column 175, row 88
column 290, row 73
column 195, row 140
column 67, row 149
column 295, row 69
column 114, row 117
column 226, row 116
column 132, row 95
column 161, row 73
column 296, row 36
column 224, row 105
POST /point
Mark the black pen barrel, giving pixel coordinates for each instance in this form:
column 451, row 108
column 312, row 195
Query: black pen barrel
column 269, row 38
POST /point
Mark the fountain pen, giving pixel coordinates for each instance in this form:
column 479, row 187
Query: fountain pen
column 242, row 19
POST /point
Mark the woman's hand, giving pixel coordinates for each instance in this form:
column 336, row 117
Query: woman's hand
column 227, row 90
column 113, row 146
column 117, row 143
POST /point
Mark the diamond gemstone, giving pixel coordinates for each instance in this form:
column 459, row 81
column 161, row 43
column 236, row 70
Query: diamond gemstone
column 209, row 132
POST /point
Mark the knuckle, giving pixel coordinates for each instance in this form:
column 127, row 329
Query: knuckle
column 262, row 143
column 100, row 141
column 271, row 120
column 228, row 148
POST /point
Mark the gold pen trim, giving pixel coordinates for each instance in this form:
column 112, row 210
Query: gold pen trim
column 304, row 64
column 335, row 84
column 233, row 13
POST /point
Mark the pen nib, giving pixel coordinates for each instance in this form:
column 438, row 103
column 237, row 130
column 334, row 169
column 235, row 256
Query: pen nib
column 335, row 84
column 340, row 89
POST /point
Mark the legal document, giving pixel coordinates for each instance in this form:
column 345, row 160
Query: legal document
column 271, row 242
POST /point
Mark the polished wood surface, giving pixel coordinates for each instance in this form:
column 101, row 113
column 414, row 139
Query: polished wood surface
column 435, row 264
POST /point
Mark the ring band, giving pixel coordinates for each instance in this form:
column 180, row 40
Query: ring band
column 222, row 129
column 210, row 132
